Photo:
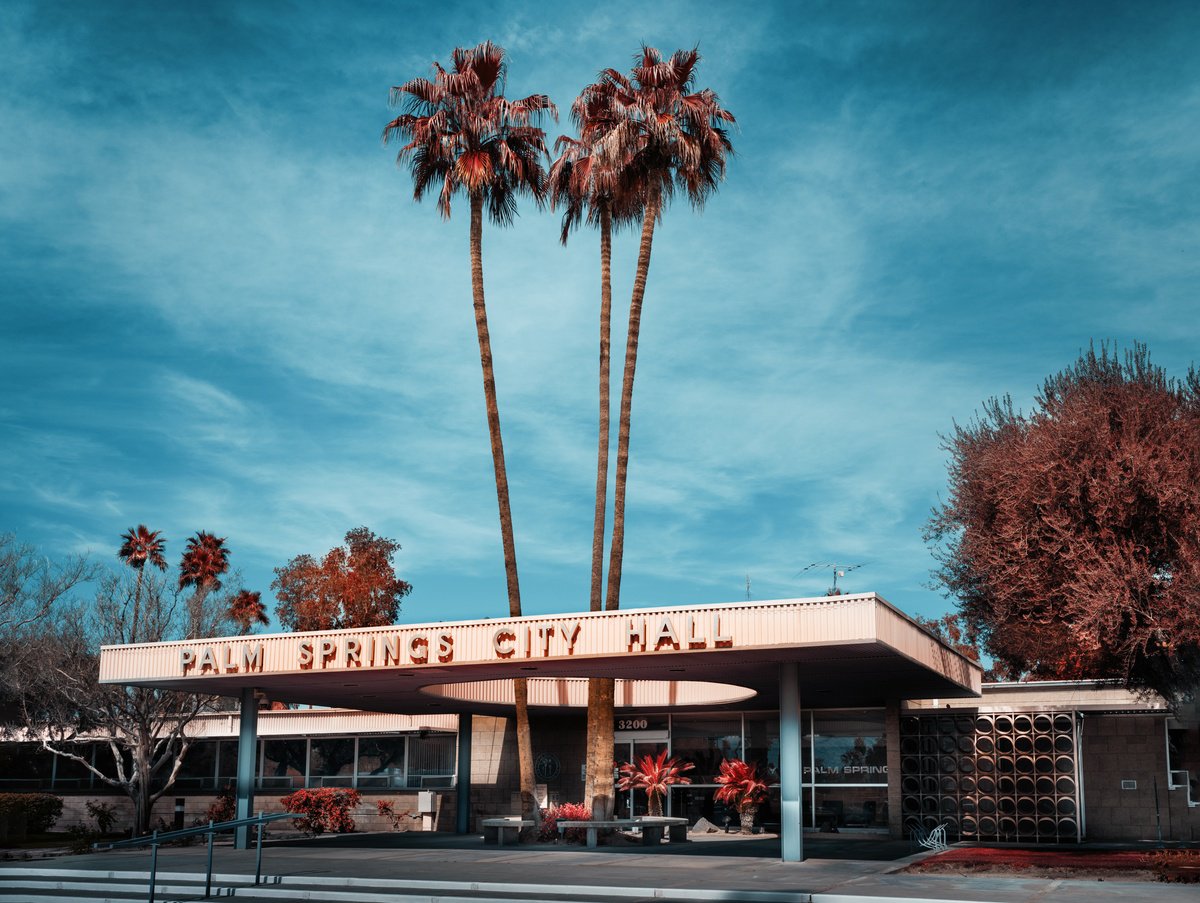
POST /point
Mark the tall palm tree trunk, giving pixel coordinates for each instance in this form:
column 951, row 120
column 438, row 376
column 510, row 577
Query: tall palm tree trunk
column 529, row 807
column 137, row 606
column 601, row 687
column 605, row 706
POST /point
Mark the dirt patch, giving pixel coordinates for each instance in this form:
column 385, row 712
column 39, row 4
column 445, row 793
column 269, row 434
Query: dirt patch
column 1098, row 865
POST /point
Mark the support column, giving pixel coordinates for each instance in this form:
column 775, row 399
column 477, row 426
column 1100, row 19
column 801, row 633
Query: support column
column 790, row 768
column 462, row 820
column 247, row 764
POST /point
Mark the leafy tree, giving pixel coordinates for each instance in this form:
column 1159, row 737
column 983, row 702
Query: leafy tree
column 141, row 546
column 62, row 703
column 660, row 135
column 204, row 561
column 464, row 136
column 1071, row 537
column 354, row 585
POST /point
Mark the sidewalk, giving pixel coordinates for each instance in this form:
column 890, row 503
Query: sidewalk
column 720, row 867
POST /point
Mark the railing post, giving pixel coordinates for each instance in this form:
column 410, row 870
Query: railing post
column 258, row 863
column 153, row 867
column 208, row 874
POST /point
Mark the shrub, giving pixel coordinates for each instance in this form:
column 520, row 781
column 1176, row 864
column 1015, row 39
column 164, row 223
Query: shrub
column 1175, row 865
column 223, row 808
column 103, row 814
column 41, row 810
column 323, row 809
column 387, row 809
column 567, row 812
column 655, row 775
column 80, row 839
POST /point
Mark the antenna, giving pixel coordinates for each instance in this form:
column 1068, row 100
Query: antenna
column 839, row 570
column 747, row 587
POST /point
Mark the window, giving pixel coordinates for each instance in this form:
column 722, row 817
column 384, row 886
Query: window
column 431, row 760
column 381, row 762
column 331, row 762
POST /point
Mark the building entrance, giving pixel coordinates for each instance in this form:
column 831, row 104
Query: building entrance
column 642, row 739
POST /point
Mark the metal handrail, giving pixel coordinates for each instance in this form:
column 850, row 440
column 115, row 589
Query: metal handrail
column 211, row 829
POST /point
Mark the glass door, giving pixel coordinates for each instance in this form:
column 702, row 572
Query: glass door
column 632, row 746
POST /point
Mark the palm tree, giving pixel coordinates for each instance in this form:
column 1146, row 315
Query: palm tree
column 463, row 135
column 246, row 609
column 583, row 181
column 661, row 135
column 204, row 561
column 141, row 546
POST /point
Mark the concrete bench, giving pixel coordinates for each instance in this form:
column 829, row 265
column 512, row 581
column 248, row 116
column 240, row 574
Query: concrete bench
column 495, row 828
column 651, row 828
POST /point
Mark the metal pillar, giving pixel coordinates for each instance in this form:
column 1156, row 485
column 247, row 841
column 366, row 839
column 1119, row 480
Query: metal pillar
column 790, row 768
column 246, row 765
column 462, row 820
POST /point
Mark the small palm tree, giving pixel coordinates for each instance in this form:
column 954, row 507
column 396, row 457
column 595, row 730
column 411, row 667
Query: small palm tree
column 464, row 136
column 204, row 561
column 741, row 788
column 655, row 775
column 141, row 546
column 246, row 609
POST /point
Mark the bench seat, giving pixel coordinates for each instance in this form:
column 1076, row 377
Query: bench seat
column 651, row 828
column 494, row 828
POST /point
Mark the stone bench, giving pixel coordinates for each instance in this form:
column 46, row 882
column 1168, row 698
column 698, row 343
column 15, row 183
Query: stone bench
column 651, row 828
column 495, row 828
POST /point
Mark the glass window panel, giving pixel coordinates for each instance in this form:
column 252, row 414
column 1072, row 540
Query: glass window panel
column 199, row 767
column 227, row 754
column 283, row 764
column 705, row 742
column 72, row 775
column 381, row 762
column 694, row 803
column 431, row 760
column 331, row 762
column 762, row 746
column 24, row 766
column 848, row 748
column 839, row 808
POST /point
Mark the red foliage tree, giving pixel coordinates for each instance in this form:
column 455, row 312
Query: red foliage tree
column 1072, row 535
column 352, row 586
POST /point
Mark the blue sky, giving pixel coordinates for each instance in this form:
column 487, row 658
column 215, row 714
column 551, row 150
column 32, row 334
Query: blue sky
column 222, row 310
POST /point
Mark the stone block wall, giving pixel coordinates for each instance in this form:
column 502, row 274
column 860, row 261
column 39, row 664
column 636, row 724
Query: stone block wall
column 366, row 813
column 1120, row 748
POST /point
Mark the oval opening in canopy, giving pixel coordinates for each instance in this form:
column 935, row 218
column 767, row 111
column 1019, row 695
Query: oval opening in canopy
column 571, row 692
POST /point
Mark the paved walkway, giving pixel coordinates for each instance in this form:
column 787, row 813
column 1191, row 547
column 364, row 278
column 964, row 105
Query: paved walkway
column 851, row 870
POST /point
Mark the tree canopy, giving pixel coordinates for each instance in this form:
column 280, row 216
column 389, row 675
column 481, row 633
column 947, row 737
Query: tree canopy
column 1071, row 537
column 352, row 586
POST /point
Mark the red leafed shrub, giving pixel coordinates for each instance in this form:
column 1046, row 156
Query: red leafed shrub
column 387, row 809
column 224, row 807
column 323, row 809
column 567, row 812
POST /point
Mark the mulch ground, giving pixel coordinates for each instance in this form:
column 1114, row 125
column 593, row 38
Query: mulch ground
column 1125, row 865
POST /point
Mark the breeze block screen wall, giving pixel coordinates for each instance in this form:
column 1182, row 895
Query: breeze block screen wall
column 991, row 776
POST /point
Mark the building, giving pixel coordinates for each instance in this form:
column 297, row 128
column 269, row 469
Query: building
column 863, row 722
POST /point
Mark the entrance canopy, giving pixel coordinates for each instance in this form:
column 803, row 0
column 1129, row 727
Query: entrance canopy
column 853, row 650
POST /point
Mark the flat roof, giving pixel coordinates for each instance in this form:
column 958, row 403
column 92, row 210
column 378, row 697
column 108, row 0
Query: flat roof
column 852, row 650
